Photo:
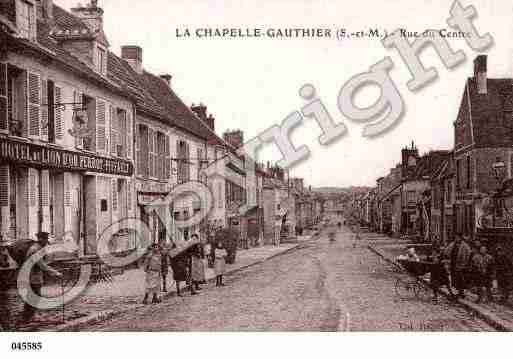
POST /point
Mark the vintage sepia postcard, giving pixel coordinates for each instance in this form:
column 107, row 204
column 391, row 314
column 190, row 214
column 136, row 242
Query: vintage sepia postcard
column 256, row 166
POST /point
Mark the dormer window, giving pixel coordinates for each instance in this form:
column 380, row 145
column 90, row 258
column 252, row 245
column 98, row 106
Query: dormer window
column 26, row 19
column 101, row 60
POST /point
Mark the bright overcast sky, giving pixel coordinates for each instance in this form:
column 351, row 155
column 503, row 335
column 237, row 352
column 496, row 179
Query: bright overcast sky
column 252, row 84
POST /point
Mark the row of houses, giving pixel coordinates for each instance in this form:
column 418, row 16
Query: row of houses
column 88, row 138
column 465, row 190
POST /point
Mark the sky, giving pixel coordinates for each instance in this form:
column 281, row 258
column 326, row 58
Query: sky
column 252, row 84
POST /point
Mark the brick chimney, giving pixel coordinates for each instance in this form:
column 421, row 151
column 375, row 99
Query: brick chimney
column 211, row 122
column 166, row 78
column 91, row 15
column 480, row 69
column 133, row 55
column 234, row 138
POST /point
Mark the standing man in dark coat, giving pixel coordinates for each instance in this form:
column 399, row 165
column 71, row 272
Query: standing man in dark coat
column 458, row 254
column 36, row 280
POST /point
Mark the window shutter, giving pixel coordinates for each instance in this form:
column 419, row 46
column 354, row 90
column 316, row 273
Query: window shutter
column 34, row 97
column 4, row 122
column 150, row 153
column 59, row 121
column 45, row 188
column 67, row 189
column 45, row 200
column 44, row 110
column 129, row 184
column 4, row 186
column 156, row 170
column 77, row 98
column 100, row 126
column 114, row 127
column 167, row 159
column 187, row 164
column 114, row 194
column 129, row 141
column 32, row 190
column 138, row 155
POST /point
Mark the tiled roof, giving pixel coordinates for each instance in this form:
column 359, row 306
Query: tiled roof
column 178, row 112
column 68, row 25
column 150, row 93
column 487, row 112
column 428, row 164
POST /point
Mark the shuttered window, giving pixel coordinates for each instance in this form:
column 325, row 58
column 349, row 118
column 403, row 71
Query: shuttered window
column 129, row 140
column 101, row 141
column 167, row 158
column 4, row 185
column 44, row 110
column 32, row 189
column 67, row 189
column 129, row 190
column 183, row 161
column 199, row 155
column 151, row 165
column 59, row 116
column 77, row 99
column 114, row 129
column 138, row 156
column 114, row 191
column 187, row 162
column 156, row 164
column 34, row 101
column 3, row 98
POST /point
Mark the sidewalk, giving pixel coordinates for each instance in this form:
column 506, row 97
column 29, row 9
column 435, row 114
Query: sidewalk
column 497, row 315
column 104, row 300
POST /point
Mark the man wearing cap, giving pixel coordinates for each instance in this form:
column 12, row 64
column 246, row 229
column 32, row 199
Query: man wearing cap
column 37, row 274
column 458, row 254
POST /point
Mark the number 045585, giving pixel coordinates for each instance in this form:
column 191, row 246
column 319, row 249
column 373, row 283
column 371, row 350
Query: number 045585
column 25, row 346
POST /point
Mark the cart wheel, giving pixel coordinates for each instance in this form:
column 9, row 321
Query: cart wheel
column 405, row 289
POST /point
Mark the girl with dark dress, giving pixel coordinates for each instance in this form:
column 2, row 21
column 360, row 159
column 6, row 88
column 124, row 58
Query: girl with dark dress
column 181, row 266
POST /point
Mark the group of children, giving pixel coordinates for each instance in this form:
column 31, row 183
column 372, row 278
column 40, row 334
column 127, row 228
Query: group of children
column 188, row 266
column 481, row 271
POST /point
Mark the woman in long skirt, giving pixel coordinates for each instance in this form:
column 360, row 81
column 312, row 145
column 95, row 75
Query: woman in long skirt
column 220, row 264
column 153, row 269
column 180, row 266
column 197, row 267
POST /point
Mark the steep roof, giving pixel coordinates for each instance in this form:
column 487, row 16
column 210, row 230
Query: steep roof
column 486, row 112
column 150, row 93
column 428, row 164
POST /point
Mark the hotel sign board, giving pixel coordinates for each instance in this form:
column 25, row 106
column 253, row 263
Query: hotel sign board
column 34, row 155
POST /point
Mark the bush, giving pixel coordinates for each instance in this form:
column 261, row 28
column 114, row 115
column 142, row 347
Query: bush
column 229, row 238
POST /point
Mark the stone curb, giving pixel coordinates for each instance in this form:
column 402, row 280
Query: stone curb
column 101, row 316
column 483, row 313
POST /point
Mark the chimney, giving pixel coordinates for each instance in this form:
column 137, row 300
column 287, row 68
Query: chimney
column 200, row 110
column 133, row 55
column 166, row 78
column 91, row 15
column 211, row 122
column 480, row 74
column 234, row 138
